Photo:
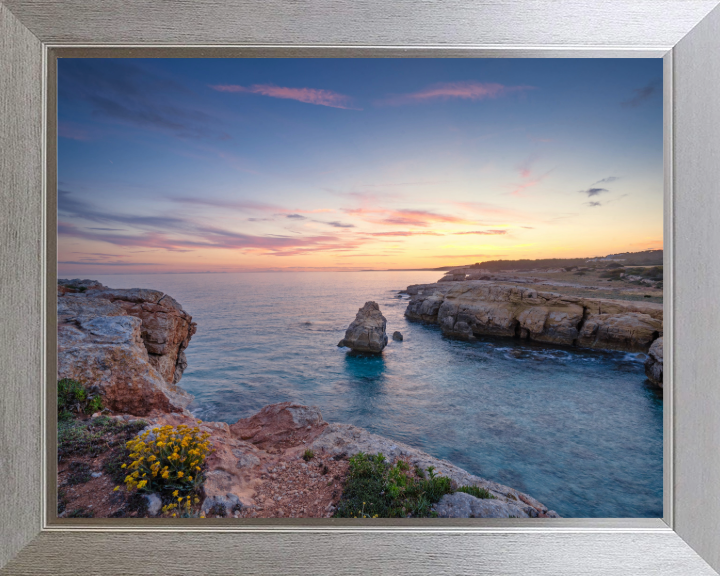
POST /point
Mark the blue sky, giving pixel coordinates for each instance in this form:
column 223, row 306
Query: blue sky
column 171, row 165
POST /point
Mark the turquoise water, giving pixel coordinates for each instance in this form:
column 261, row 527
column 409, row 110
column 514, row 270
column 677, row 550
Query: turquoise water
column 581, row 431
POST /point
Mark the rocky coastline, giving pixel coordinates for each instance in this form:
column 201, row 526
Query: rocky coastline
column 466, row 309
column 128, row 347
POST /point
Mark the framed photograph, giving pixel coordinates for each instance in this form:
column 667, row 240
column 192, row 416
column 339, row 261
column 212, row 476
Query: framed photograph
column 280, row 295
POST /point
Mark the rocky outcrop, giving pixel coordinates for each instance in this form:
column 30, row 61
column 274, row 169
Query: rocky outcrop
column 348, row 440
column 462, row 505
column 469, row 309
column 128, row 343
column 367, row 331
column 251, row 453
column 654, row 363
column 397, row 336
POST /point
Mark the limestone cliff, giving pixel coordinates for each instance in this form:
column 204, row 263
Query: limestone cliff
column 129, row 343
column 474, row 308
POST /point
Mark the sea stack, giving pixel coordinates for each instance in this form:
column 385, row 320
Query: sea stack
column 367, row 331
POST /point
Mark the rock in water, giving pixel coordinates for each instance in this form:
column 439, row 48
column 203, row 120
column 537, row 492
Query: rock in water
column 367, row 332
column 397, row 336
column 654, row 363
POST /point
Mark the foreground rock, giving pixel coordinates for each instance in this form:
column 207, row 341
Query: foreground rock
column 128, row 343
column 257, row 469
column 461, row 505
column 654, row 363
column 367, row 331
column 474, row 308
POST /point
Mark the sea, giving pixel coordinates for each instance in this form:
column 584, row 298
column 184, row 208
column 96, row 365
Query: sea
column 579, row 430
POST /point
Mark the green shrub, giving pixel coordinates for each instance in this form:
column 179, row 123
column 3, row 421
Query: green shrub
column 476, row 491
column 74, row 398
column 308, row 455
column 374, row 488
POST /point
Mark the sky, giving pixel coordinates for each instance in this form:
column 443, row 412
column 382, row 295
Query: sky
column 231, row 165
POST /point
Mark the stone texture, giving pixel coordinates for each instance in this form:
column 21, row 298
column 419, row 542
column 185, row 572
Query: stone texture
column 462, row 505
column 654, row 363
column 166, row 328
column 367, row 331
column 154, row 504
column 477, row 308
column 280, row 425
column 105, row 339
column 397, row 336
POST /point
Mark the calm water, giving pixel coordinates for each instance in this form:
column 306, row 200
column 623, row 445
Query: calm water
column 579, row 431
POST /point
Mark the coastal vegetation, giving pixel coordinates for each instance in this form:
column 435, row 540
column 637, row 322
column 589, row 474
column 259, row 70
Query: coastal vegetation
column 74, row 398
column 374, row 488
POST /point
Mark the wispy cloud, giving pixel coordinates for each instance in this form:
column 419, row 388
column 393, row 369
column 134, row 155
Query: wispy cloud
column 594, row 191
column 459, row 256
column 336, row 224
column 294, row 216
column 520, row 189
column 468, row 90
column 607, row 180
column 643, row 94
column 127, row 93
column 421, row 218
column 405, row 233
column 93, row 263
column 484, row 232
column 231, row 204
column 593, row 204
column 307, row 95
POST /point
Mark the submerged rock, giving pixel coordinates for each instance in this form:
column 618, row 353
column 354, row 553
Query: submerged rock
column 367, row 331
column 654, row 363
column 397, row 336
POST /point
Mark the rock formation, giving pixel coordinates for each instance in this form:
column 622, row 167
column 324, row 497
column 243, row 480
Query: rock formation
column 249, row 452
column 397, row 336
column 468, row 309
column 654, row 363
column 367, row 331
column 129, row 343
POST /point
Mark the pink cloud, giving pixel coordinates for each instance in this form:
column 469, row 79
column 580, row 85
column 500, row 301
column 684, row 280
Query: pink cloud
column 217, row 238
column 520, row 188
column 307, row 95
column 421, row 218
column 405, row 233
column 484, row 232
column 453, row 90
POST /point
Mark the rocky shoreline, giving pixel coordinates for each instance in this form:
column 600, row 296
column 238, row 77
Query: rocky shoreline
column 128, row 346
column 469, row 308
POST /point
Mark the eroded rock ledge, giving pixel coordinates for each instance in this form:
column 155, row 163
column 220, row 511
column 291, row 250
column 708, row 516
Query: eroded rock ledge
column 130, row 343
column 251, row 453
column 478, row 308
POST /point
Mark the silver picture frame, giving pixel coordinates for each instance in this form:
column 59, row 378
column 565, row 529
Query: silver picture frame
column 685, row 33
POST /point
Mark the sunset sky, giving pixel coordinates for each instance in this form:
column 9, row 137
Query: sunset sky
column 224, row 165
